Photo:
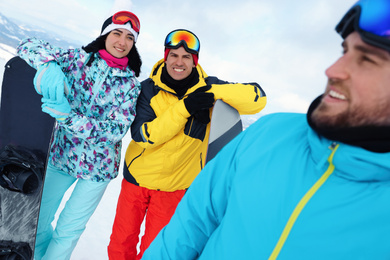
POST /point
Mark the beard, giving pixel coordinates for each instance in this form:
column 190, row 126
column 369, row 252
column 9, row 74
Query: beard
column 376, row 114
column 352, row 117
column 368, row 135
column 364, row 124
column 321, row 117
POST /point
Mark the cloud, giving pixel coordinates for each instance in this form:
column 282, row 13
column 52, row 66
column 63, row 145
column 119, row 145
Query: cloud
column 291, row 102
column 122, row 5
column 77, row 20
column 283, row 45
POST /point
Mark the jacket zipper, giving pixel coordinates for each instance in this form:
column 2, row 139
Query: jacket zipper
column 201, row 162
column 97, row 86
column 305, row 199
column 191, row 124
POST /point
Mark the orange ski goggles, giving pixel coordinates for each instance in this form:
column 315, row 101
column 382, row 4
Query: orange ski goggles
column 123, row 17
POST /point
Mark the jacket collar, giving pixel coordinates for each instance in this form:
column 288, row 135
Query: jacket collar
column 116, row 72
column 351, row 162
column 155, row 75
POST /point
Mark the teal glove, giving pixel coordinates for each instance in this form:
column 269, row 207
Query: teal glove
column 58, row 109
column 50, row 81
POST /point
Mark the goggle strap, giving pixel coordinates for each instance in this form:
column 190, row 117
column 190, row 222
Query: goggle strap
column 349, row 22
column 180, row 44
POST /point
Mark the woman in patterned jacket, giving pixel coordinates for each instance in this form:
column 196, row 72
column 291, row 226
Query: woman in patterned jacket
column 92, row 92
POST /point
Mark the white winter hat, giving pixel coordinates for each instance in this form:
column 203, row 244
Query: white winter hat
column 122, row 20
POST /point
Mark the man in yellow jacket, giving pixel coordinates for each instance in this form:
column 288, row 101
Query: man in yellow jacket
column 170, row 134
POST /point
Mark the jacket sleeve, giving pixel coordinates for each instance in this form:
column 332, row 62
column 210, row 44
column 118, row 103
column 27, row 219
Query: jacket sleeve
column 201, row 210
column 246, row 98
column 37, row 52
column 150, row 130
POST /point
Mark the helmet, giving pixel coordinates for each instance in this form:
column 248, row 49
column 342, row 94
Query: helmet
column 371, row 19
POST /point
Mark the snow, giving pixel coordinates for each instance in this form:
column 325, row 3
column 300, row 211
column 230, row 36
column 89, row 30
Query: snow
column 6, row 52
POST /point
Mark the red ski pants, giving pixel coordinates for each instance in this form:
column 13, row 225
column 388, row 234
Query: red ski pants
column 133, row 204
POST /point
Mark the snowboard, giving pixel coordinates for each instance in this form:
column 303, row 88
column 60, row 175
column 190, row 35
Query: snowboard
column 225, row 125
column 25, row 135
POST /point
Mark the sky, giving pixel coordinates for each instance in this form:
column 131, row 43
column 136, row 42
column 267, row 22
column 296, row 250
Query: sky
column 285, row 46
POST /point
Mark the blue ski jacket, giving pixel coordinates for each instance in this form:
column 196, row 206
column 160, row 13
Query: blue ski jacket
column 280, row 191
column 87, row 144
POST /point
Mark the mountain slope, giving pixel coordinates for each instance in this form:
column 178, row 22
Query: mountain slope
column 12, row 32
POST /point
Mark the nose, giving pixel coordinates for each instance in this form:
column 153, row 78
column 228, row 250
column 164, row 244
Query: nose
column 339, row 69
column 179, row 61
column 122, row 40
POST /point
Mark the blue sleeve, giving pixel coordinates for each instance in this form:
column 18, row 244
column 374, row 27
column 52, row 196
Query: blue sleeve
column 201, row 210
column 37, row 52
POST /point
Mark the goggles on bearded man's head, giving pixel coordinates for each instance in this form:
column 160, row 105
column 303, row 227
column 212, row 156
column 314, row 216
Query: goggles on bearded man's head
column 371, row 19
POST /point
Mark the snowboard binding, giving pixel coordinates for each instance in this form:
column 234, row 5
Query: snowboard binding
column 10, row 250
column 21, row 169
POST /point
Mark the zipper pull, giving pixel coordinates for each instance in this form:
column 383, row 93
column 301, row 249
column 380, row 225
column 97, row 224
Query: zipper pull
column 325, row 157
column 332, row 146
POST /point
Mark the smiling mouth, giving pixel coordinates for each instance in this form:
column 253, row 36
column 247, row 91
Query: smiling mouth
column 178, row 70
column 119, row 49
column 334, row 94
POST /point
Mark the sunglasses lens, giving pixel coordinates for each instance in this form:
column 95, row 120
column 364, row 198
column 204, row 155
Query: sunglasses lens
column 178, row 37
column 124, row 17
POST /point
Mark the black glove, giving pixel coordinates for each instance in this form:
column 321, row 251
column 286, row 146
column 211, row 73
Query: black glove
column 199, row 100
column 203, row 116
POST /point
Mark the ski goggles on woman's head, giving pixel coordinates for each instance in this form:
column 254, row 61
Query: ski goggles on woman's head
column 123, row 17
column 181, row 37
column 371, row 19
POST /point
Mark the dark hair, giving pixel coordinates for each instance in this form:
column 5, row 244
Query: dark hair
column 134, row 63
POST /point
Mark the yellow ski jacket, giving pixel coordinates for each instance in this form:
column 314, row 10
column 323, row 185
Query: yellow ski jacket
column 169, row 146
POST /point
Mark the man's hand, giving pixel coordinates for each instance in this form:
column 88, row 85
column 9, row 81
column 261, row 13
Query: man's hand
column 199, row 100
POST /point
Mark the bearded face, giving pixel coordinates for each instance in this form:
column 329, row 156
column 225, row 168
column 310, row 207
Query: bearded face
column 358, row 89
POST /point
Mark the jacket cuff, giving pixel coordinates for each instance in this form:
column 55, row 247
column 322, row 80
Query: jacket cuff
column 182, row 110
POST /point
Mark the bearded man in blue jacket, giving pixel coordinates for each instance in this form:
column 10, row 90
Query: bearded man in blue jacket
column 319, row 189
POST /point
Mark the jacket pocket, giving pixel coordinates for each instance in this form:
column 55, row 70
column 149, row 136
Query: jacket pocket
column 126, row 169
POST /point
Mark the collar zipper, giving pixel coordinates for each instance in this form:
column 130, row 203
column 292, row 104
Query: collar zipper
column 302, row 203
